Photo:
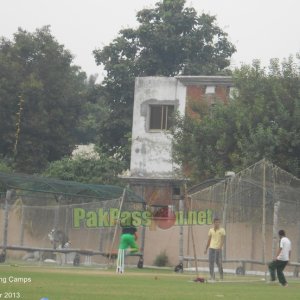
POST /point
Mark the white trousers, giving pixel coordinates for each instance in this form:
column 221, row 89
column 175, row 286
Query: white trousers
column 120, row 261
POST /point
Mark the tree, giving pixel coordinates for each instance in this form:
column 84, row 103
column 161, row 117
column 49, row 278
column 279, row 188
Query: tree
column 4, row 166
column 261, row 121
column 40, row 99
column 97, row 168
column 170, row 40
column 93, row 111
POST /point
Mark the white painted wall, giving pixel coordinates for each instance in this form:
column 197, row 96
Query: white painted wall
column 151, row 152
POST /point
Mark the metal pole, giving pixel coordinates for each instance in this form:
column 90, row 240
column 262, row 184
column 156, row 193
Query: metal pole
column 194, row 250
column 298, row 241
column 225, row 213
column 22, row 225
column 189, row 206
column 143, row 234
column 181, row 234
column 229, row 175
column 116, row 227
column 264, row 213
column 275, row 228
column 8, row 198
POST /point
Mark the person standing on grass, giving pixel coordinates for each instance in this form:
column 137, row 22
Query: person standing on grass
column 127, row 241
column 215, row 242
column 281, row 260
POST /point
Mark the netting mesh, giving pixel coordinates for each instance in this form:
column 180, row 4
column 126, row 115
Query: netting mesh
column 43, row 188
column 253, row 205
column 87, row 227
column 40, row 214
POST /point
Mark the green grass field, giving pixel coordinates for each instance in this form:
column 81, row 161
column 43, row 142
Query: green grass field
column 79, row 283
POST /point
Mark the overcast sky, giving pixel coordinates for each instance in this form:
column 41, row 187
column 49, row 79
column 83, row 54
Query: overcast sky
column 260, row 29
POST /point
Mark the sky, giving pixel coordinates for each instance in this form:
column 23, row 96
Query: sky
column 260, row 29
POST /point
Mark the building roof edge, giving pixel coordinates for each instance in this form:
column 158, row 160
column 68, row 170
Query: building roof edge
column 206, row 80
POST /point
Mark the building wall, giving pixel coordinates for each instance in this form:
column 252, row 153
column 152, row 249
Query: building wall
column 151, row 154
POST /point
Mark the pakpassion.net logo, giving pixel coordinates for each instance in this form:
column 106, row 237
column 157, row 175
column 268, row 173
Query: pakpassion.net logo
column 164, row 218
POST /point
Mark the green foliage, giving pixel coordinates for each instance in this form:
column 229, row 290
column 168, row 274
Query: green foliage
column 102, row 170
column 161, row 260
column 4, row 166
column 93, row 112
column 40, row 99
column 261, row 121
column 170, row 40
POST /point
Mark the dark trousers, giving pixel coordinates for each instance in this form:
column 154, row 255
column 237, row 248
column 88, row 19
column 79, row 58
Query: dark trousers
column 215, row 256
column 278, row 265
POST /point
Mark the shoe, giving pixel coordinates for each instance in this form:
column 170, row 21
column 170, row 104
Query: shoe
column 133, row 250
column 285, row 285
column 200, row 279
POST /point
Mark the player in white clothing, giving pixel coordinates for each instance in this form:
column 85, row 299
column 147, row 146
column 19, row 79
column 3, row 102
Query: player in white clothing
column 281, row 260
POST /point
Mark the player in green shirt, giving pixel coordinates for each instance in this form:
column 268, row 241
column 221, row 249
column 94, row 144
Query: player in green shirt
column 127, row 241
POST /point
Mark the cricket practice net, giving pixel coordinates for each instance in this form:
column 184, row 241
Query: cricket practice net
column 252, row 206
column 62, row 222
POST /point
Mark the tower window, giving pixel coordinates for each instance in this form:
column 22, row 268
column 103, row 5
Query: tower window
column 161, row 117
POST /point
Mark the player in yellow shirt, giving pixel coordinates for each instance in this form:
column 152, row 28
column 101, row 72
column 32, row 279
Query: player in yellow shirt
column 215, row 242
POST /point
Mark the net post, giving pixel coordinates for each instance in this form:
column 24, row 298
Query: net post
column 116, row 226
column 8, row 198
column 189, row 206
column 181, row 255
column 264, row 216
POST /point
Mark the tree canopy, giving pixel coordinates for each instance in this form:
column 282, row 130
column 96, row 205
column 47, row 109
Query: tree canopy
column 40, row 99
column 99, row 169
column 171, row 39
column 262, row 120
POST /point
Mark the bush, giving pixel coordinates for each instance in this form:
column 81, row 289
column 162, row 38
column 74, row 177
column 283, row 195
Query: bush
column 161, row 259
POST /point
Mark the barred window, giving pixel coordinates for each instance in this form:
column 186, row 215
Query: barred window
column 161, row 117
